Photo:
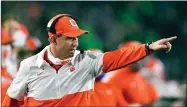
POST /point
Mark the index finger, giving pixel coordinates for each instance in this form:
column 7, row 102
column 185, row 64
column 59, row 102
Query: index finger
column 170, row 39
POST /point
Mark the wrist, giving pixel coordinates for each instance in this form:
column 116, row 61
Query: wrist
column 147, row 46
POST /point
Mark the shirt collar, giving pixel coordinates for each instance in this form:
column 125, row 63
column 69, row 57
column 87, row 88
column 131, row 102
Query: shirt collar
column 41, row 61
column 54, row 60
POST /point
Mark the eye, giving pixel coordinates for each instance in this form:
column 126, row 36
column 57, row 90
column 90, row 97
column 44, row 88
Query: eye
column 59, row 36
column 70, row 38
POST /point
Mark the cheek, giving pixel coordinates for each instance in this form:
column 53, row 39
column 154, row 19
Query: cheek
column 63, row 44
column 60, row 43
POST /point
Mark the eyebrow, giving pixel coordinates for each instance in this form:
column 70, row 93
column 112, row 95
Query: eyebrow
column 59, row 35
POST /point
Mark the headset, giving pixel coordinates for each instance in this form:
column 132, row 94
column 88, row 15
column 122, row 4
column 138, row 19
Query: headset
column 51, row 24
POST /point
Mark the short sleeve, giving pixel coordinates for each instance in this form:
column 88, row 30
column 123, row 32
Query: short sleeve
column 18, row 87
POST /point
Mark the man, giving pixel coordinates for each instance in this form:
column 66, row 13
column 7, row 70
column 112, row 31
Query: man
column 60, row 75
column 6, row 53
column 17, row 30
column 20, row 41
column 154, row 71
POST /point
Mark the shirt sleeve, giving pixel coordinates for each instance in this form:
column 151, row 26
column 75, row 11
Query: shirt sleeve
column 122, row 57
column 18, row 86
column 96, row 62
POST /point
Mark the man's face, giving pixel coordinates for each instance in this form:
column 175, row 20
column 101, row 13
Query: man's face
column 66, row 45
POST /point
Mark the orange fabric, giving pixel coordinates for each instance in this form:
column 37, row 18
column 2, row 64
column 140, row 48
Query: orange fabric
column 153, row 93
column 5, row 74
column 56, row 67
column 107, row 95
column 136, row 88
column 4, row 86
column 5, row 54
column 76, row 99
column 123, row 57
column 10, row 102
column 65, row 25
column 154, row 65
column 6, row 38
column 24, row 29
column 86, row 98
column 31, row 44
column 151, row 63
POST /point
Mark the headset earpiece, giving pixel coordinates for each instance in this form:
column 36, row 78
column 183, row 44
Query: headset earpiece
column 51, row 24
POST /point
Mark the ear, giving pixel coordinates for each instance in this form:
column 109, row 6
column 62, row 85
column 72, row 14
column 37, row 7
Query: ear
column 52, row 40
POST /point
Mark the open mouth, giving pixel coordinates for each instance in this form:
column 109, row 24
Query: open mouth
column 72, row 50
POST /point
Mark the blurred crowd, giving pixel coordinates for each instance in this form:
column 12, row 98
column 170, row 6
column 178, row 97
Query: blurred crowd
column 158, row 80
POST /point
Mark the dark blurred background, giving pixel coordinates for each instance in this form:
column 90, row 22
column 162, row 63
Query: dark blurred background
column 112, row 23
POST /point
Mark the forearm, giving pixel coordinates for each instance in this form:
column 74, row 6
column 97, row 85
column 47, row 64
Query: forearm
column 123, row 57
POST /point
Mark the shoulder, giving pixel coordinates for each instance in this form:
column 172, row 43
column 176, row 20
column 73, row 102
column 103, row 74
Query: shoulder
column 90, row 54
column 93, row 55
column 30, row 60
column 86, row 55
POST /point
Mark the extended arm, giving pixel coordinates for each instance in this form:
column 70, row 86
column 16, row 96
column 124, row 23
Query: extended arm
column 127, row 55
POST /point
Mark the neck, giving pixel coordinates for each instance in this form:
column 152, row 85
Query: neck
column 56, row 53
